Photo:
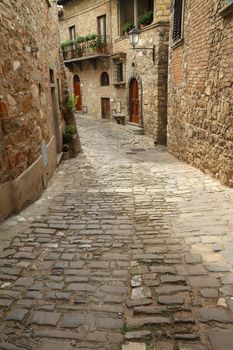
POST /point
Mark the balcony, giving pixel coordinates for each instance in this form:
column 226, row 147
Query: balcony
column 91, row 47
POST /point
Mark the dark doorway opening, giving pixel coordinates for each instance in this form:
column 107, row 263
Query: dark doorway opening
column 77, row 92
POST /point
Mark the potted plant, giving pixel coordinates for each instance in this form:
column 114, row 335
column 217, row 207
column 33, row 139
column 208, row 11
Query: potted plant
column 80, row 50
column 127, row 27
column 68, row 106
column 99, row 45
column 67, row 48
column 71, row 143
column 145, row 19
column 90, row 37
column 80, row 39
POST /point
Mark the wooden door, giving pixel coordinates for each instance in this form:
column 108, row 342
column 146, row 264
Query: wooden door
column 134, row 102
column 105, row 107
column 77, row 92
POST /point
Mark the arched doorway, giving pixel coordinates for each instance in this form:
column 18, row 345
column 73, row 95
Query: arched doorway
column 134, row 101
column 77, row 92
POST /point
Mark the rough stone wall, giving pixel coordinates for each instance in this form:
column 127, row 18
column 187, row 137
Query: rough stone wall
column 29, row 43
column 201, row 90
column 24, row 79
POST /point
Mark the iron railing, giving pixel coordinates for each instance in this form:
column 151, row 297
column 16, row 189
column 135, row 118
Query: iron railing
column 99, row 45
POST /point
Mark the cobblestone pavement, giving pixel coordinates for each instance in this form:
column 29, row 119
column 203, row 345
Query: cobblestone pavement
column 127, row 249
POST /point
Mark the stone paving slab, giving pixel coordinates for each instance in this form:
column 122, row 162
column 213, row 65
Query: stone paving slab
column 125, row 249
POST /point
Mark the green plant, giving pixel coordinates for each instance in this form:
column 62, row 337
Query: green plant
column 67, row 43
column 89, row 37
column 98, row 44
column 70, row 102
column 67, row 139
column 146, row 18
column 149, row 346
column 71, row 129
column 126, row 328
column 80, row 39
column 127, row 27
column 79, row 49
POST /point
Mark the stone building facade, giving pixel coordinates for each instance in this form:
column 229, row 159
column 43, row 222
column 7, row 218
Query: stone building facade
column 134, row 87
column 30, row 81
column 200, row 117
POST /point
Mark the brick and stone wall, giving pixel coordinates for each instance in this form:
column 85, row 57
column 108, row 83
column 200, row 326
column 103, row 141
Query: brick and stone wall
column 29, row 47
column 201, row 90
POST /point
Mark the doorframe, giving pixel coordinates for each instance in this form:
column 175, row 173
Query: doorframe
column 106, row 98
column 140, row 98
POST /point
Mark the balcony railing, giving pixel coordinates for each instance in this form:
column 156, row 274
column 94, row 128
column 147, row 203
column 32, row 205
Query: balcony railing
column 86, row 48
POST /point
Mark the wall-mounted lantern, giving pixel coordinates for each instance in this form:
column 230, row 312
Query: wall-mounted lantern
column 134, row 39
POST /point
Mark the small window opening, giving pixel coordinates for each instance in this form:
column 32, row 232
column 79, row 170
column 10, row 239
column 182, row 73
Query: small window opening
column 104, row 79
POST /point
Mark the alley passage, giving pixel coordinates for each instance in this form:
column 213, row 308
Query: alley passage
column 127, row 249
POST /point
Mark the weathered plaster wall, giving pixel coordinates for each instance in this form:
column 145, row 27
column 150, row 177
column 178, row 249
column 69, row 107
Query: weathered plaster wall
column 201, row 90
column 29, row 43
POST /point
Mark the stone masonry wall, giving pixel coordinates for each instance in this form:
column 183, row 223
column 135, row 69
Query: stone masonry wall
column 152, row 78
column 91, row 90
column 201, row 90
column 29, row 47
column 83, row 14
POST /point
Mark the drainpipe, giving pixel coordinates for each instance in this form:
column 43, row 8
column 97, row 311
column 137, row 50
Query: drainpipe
column 135, row 13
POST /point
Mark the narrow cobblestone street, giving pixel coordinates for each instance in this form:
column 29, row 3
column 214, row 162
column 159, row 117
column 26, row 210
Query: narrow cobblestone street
column 128, row 249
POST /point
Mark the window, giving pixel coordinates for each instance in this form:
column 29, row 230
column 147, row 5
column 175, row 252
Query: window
column 102, row 28
column 118, row 71
column 104, row 79
column 51, row 76
column 72, row 32
column 59, row 91
column 129, row 12
column 177, row 20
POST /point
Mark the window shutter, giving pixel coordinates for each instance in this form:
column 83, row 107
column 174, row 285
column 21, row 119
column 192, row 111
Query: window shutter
column 177, row 20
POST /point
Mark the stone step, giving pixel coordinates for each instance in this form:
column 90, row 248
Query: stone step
column 135, row 128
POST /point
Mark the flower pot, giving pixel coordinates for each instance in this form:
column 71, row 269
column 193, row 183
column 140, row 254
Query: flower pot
column 65, row 155
column 143, row 25
column 100, row 49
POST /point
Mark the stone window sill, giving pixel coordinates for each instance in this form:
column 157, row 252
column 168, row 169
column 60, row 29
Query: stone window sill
column 177, row 43
column 227, row 10
column 120, row 84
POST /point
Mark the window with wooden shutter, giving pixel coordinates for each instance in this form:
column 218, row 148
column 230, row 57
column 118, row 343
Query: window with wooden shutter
column 102, row 27
column 72, row 32
column 177, row 20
